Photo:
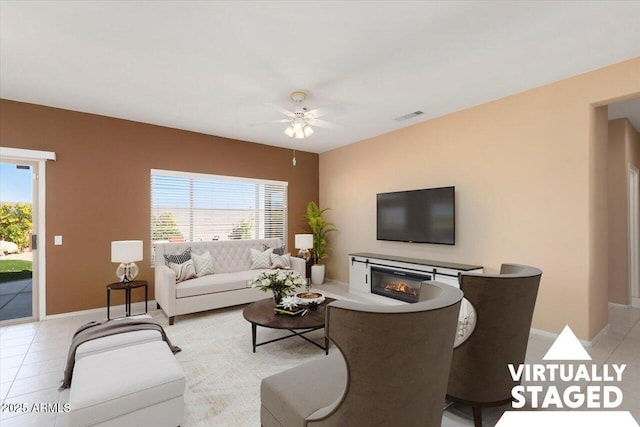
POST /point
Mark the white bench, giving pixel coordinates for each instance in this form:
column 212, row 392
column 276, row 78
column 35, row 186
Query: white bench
column 127, row 379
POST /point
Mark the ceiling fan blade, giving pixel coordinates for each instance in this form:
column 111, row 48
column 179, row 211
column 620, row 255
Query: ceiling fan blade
column 269, row 122
column 283, row 110
column 318, row 112
column 323, row 110
column 322, row 124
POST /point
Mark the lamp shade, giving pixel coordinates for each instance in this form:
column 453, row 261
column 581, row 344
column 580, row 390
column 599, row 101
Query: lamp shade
column 308, row 131
column 289, row 131
column 304, row 241
column 126, row 251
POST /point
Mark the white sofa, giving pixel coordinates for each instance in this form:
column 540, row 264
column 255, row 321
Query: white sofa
column 229, row 285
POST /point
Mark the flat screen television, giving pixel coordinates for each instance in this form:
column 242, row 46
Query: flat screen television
column 417, row 216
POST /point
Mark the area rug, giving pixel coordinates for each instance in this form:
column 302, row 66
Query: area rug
column 223, row 374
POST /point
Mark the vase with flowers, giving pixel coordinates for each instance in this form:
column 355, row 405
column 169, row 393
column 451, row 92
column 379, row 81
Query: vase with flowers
column 280, row 282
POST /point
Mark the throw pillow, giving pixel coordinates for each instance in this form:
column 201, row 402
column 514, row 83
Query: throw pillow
column 281, row 261
column 203, row 263
column 467, row 324
column 180, row 258
column 277, row 251
column 260, row 259
column 184, row 271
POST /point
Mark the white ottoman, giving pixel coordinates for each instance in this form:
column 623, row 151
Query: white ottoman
column 141, row 385
column 114, row 342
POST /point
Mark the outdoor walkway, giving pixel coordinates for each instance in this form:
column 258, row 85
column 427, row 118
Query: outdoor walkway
column 15, row 299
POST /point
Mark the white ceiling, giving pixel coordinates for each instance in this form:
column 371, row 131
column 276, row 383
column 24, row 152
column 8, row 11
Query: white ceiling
column 214, row 67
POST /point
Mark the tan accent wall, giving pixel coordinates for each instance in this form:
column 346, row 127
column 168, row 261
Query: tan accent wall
column 633, row 147
column 98, row 190
column 632, row 138
column 618, row 226
column 623, row 149
column 598, row 292
column 530, row 177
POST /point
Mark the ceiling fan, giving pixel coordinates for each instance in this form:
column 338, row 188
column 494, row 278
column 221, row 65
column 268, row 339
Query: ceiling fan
column 302, row 119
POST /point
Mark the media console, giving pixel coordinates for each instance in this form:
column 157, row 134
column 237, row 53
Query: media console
column 366, row 268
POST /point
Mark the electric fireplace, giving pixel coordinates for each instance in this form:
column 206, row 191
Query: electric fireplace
column 397, row 284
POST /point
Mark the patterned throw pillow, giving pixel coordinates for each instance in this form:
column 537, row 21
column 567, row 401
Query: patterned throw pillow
column 180, row 258
column 260, row 259
column 184, row 271
column 467, row 324
column 281, row 261
column 203, row 263
column 277, row 251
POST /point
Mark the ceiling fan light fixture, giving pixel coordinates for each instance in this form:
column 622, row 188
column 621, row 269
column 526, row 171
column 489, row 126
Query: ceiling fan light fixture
column 308, row 130
column 299, row 123
column 289, row 131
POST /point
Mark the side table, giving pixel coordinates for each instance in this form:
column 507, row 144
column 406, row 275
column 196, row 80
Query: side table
column 126, row 287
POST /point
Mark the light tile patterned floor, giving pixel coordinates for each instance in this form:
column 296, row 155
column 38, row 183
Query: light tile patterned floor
column 223, row 375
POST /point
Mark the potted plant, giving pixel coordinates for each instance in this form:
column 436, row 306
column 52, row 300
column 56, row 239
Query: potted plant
column 319, row 228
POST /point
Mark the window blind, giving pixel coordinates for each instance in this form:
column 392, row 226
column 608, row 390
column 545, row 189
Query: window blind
column 189, row 207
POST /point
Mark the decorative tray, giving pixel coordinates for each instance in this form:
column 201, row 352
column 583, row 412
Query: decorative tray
column 305, row 298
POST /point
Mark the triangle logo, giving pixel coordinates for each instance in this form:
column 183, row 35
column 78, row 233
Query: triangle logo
column 566, row 347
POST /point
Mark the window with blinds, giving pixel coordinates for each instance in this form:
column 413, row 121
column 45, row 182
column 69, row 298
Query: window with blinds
column 189, row 207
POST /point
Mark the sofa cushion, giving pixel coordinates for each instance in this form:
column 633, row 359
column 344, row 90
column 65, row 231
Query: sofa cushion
column 184, row 271
column 260, row 260
column 328, row 376
column 215, row 283
column 203, row 263
column 249, row 276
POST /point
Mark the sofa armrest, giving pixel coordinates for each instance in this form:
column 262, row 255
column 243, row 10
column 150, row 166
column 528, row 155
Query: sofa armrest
column 299, row 265
column 166, row 289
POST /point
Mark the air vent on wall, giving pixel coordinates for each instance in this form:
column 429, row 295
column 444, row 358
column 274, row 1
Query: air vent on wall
column 408, row 116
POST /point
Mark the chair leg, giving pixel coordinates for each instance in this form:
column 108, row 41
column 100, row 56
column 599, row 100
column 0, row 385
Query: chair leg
column 477, row 416
column 172, row 319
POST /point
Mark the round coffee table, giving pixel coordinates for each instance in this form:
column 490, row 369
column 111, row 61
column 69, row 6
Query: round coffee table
column 260, row 313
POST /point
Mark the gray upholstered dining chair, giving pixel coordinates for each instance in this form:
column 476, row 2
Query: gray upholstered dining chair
column 392, row 367
column 503, row 305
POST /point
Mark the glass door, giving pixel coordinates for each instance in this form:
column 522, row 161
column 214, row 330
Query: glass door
column 18, row 287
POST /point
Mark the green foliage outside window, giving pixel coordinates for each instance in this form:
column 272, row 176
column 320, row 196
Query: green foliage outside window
column 16, row 223
column 164, row 226
column 242, row 231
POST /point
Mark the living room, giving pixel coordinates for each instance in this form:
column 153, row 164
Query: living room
column 529, row 168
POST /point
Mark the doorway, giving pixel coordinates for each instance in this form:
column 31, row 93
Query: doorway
column 18, row 243
column 634, row 237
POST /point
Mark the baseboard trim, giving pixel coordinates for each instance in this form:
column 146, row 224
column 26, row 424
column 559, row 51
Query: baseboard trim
column 635, row 302
column 617, row 305
column 598, row 336
column 136, row 307
column 585, row 343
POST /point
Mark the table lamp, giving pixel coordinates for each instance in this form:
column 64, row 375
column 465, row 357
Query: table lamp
column 126, row 252
column 304, row 242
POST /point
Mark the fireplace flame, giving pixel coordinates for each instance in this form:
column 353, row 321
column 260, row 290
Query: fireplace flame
column 401, row 287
